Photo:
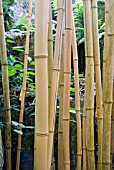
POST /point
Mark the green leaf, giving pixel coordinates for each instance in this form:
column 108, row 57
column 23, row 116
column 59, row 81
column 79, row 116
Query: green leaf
column 72, row 89
column 18, row 131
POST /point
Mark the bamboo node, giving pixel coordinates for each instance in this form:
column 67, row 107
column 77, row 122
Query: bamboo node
column 106, row 163
column 41, row 134
column 68, row 29
column 93, row 6
column 27, row 54
column 4, row 64
column 75, row 59
column 60, row 131
column 90, row 150
column 61, row 8
column 112, row 119
column 99, row 118
column 106, row 12
column 67, row 162
column 108, row 102
column 84, row 148
column 87, row 56
column 66, row 119
column 79, row 154
column 84, row 116
column 56, row 69
column 67, row 72
column 40, row 56
column 78, row 110
column 29, row 16
column 8, row 109
column 1, row 13
column 110, row 34
column 50, row 40
column 90, row 108
column 99, row 162
column 97, row 64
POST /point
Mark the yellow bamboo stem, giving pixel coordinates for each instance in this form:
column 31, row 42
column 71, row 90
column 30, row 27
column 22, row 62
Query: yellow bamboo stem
column 60, row 128
column 23, row 90
column 112, row 131
column 99, row 103
column 105, row 40
column 5, row 83
column 41, row 81
column 108, row 89
column 89, row 100
column 77, row 98
column 55, row 79
column 84, row 109
column 66, row 93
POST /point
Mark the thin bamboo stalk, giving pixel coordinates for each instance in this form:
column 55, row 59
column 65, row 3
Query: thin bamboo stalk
column 66, row 92
column 99, row 105
column 105, row 40
column 108, row 89
column 23, row 90
column 5, row 83
column 77, row 98
column 55, row 79
column 84, row 110
column 112, row 131
column 1, row 152
column 41, row 81
column 89, row 100
column 60, row 128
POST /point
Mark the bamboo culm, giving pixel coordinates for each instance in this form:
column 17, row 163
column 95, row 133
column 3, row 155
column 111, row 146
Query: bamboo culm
column 5, row 83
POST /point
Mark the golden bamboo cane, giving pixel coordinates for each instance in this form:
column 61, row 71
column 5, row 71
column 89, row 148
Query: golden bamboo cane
column 5, row 83
column 99, row 103
column 84, row 109
column 108, row 90
column 89, row 100
column 77, row 98
column 55, row 79
column 112, row 131
column 66, row 93
column 60, row 127
column 23, row 90
column 105, row 40
column 41, row 81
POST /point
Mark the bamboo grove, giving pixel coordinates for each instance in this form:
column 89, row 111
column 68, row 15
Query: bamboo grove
column 53, row 72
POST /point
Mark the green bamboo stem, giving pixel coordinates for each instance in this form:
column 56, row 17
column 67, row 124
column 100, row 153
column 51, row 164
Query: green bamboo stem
column 23, row 90
column 99, row 105
column 41, row 81
column 77, row 98
column 89, row 100
column 55, row 79
column 108, row 90
column 66, row 92
column 5, row 83
column 60, row 127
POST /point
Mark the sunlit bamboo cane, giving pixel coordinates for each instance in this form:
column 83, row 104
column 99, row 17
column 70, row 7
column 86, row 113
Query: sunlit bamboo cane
column 55, row 79
column 5, row 83
column 89, row 97
column 60, row 127
column 108, row 90
column 99, row 103
column 41, row 81
column 23, row 90
column 77, row 98
column 67, row 74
